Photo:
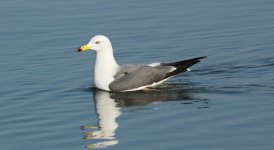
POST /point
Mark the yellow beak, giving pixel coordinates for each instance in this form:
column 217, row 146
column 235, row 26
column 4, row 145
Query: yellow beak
column 84, row 48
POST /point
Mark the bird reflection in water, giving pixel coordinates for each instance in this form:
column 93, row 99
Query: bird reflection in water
column 108, row 108
column 107, row 111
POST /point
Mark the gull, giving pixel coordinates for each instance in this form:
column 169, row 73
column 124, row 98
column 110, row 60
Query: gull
column 110, row 76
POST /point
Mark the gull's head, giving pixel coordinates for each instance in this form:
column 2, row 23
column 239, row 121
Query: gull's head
column 97, row 43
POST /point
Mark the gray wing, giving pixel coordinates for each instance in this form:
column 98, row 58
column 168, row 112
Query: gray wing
column 134, row 76
column 125, row 69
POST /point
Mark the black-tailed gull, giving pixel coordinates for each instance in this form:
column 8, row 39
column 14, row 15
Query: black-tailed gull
column 110, row 76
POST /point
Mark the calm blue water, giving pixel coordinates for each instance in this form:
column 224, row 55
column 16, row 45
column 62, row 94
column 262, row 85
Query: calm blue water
column 47, row 97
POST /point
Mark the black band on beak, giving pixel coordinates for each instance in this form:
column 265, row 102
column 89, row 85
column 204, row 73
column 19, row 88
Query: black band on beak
column 79, row 49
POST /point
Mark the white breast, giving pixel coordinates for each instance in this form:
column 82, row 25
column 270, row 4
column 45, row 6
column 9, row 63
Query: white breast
column 104, row 71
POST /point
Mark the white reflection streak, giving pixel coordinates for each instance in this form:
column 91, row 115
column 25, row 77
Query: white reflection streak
column 107, row 113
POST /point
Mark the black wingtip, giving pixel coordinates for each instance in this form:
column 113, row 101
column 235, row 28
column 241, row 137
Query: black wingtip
column 187, row 63
column 198, row 58
column 202, row 57
column 182, row 66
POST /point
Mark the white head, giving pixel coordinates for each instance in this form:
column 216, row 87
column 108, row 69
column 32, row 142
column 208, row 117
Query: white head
column 98, row 43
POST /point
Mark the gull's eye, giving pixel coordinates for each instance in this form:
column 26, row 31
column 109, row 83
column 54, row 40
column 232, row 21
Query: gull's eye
column 97, row 42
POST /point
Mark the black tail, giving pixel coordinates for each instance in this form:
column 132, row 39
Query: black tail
column 182, row 66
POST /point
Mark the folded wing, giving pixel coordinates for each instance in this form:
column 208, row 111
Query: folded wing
column 135, row 76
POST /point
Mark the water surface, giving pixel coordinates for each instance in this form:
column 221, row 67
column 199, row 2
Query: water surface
column 225, row 102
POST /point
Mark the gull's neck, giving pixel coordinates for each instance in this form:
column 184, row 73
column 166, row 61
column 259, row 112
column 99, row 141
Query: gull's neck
column 105, row 69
